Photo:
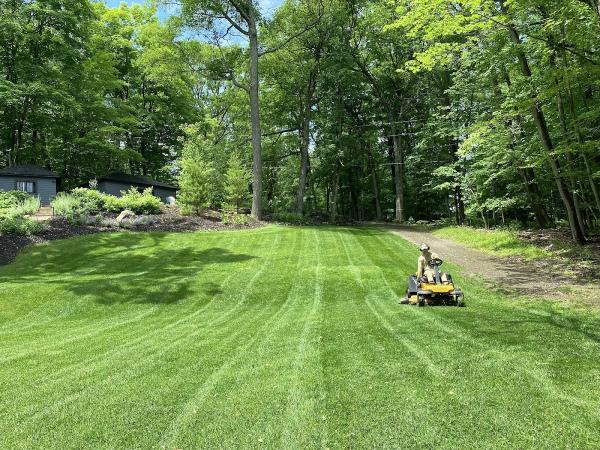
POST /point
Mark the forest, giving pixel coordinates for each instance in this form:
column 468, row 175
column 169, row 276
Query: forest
column 479, row 112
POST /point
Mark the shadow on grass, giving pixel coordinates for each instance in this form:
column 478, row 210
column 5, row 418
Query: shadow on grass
column 122, row 268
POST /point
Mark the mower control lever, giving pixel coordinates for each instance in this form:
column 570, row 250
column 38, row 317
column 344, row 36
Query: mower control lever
column 435, row 262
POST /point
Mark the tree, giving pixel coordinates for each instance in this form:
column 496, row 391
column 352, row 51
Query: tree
column 242, row 16
column 237, row 179
column 196, row 191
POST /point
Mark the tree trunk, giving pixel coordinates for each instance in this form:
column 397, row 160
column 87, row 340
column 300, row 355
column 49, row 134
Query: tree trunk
column 458, row 198
column 399, row 169
column 485, row 223
column 305, row 144
column 534, row 197
column 391, row 156
column 563, row 190
column 542, row 128
column 375, row 178
column 334, row 194
column 255, row 120
column 570, row 159
column 459, row 207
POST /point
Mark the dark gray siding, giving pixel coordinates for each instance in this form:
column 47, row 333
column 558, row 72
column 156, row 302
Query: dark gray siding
column 45, row 187
column 112, row 187
column 164, row 192
column 115, row 188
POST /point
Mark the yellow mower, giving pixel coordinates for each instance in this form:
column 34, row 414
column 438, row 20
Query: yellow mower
column 435, row 288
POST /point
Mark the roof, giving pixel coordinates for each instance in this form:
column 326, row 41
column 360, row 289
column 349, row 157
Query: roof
column 135, row 179
column 28, row 170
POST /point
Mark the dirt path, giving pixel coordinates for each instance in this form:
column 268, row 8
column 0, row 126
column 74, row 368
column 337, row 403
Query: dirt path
column 539, row 278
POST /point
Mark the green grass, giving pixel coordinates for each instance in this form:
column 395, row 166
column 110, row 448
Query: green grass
column 497, row 242
column 279, row 338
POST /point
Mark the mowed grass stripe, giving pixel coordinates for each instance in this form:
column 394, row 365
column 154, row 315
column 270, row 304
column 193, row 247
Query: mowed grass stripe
column 233, row 382
column 303, row 415
column 361, row 361
column 273, row 368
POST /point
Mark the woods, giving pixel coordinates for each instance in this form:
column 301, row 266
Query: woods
column 478, row 111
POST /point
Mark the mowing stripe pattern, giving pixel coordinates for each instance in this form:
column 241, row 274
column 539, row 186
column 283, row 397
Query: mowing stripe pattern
column 280, row 337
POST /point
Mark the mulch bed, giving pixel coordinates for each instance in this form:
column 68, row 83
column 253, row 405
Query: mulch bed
column 169, row 221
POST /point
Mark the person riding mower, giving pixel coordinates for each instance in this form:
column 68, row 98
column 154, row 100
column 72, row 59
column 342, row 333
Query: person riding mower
column 430, row 286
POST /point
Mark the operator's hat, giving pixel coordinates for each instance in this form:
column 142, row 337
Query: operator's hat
column 424, row 246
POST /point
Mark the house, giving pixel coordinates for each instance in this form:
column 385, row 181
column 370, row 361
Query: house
column 116, row 182
column 35, row 180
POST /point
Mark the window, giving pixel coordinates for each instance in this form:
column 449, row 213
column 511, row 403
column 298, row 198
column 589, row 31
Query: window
column 26, row 186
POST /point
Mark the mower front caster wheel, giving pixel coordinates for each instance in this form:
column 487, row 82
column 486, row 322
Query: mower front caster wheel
column 421, row 301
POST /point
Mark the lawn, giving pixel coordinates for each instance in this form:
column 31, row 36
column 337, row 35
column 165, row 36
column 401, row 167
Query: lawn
column 279, row 337
column 494, row 241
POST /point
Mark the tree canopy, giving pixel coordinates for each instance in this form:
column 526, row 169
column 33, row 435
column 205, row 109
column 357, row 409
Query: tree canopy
column 484, row 112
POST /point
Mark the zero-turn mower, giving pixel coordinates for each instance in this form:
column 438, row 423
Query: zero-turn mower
column 435, row 288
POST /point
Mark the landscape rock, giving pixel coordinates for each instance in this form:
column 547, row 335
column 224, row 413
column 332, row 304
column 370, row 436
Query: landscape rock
column 125, row 214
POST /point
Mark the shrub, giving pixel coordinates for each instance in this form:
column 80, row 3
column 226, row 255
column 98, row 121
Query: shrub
column 8, row 199
column 82, row 202
column 229, row 215
column 240, row 219
column 94, row 199
column 288, row 217
column 112, row 204
column 19, row 226
column 29, row 205
column 139, row 202
column 74, row 208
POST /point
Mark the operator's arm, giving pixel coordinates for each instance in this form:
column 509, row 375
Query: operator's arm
column 421, row 266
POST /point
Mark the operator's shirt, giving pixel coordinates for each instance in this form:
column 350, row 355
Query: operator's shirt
column 423, row 263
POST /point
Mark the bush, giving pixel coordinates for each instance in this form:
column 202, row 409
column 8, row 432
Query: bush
column 74, row 208
column 139, row 202
column 231, row 216
column 94, row 199
column 81, row 203
column 8, row 199
column 287, row 217
column 112, row 204
column 29, row 205
column 240, row 219
column 19, row 226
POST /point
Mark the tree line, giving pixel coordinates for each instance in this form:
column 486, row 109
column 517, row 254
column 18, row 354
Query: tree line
column 476, row 111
